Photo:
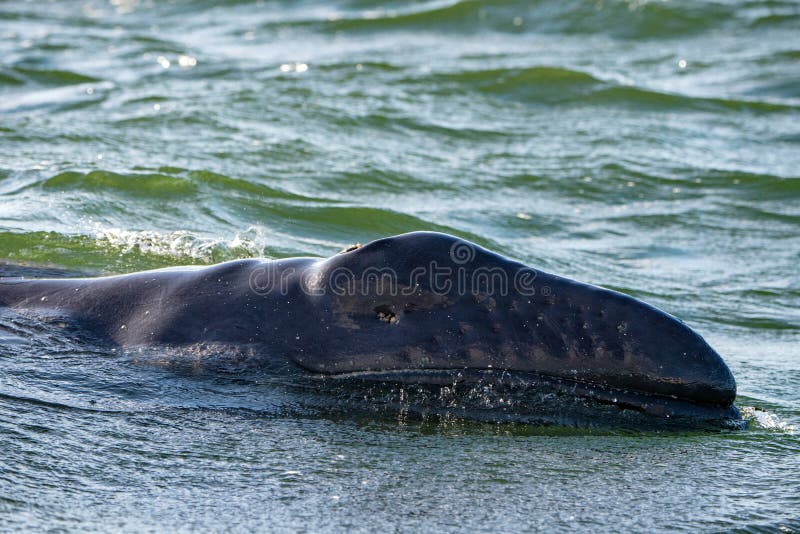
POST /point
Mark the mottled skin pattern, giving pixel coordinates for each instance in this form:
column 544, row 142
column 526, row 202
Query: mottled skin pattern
column 349, row 313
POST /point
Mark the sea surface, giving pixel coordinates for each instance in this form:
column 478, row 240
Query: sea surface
column 652, row 147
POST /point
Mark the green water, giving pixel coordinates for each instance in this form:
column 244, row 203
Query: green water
column 649, row 146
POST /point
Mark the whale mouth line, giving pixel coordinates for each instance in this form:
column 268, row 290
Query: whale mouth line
column 652, row 404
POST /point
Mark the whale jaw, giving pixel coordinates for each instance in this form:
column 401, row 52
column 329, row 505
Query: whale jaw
column 507, row 396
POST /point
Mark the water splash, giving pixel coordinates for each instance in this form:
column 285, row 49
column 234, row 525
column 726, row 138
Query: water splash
column 766, row 420
column 182, row 244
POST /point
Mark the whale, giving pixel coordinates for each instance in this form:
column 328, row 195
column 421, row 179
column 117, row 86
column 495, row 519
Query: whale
column 419, row 308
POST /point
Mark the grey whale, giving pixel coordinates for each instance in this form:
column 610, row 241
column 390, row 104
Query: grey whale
column 421, row 307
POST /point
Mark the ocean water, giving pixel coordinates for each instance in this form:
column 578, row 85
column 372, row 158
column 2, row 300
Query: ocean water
column 648, row 146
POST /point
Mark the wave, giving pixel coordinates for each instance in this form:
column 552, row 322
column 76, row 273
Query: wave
column 338, row 222
column 21, row 75
column 754, row 185
column 618, row 18
column 158, row 185
column 777, row 19
column 556, row 85
column 52, row 99
column 653, row 99
column 170, row 181
column 626, row 19
column 532, row 84
column 115, row 250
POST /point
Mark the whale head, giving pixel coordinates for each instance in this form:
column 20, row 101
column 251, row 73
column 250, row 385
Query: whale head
column 427, row 301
